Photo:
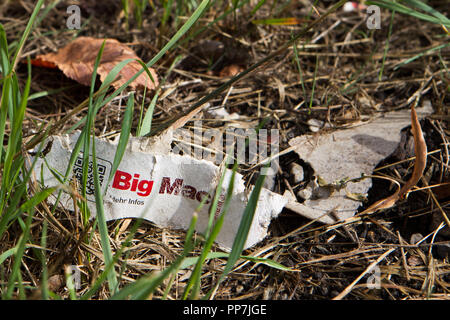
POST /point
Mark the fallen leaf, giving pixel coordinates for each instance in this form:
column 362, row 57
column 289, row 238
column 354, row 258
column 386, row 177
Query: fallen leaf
column 77, row 61
column 420, row 150
column 41, row 63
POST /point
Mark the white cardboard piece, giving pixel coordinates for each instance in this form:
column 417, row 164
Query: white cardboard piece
column 160, row 187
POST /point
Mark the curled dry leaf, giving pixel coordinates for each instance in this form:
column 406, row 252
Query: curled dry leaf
column 383, row 204
column 420, row 150
column 77, row 61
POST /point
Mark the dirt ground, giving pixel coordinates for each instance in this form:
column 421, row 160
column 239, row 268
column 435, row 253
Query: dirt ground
column 341, row 59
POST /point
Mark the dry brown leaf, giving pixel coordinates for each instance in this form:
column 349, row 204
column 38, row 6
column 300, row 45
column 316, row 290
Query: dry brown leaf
column 420, row 150
column 77, row 61
column 383, row 204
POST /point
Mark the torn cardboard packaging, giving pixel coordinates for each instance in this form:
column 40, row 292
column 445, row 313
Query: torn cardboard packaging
column 163, row 188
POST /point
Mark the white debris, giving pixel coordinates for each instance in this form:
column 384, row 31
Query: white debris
column 221, row 113
column 315, row 125
column 165, row 189
column 349, row 6
column 348, row 154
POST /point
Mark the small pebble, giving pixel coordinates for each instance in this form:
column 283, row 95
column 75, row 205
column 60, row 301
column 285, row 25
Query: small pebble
column 305, row 193
column 416, row 237
column 314, row 125
column 297, row 172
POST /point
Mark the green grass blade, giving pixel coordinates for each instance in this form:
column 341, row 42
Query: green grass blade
column 44, row 281
column 12, row 212
column 4, row 52
column 257, row 6
column 108, row 267
column 194, row 280
column 70, row 285
column 124, row 136
column 394, row 6
column 299, row 67
column 267, row 262
column 190, row 261
column 172, row 42
column 103, row 229
column 89, row 122
column 36, row 199
column 244, row 226
column 146, row 125
column 11, row 167
column 26, row 32
column 143, row 287
column 424, row 7
column 141, row 113
column 417, row 56
column 5, row 255
column 242, row 233
column 386, row 48
column 4, row 114
column 253, row 67
column 15, row 272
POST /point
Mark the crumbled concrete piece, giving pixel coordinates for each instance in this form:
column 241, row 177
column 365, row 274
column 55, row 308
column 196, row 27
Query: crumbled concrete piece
column 306, row 193
column 313, row 191
column 165, row 189
column 305, row 210
column 348, row 154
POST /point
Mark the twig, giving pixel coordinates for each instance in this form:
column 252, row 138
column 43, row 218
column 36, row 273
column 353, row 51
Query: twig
column 405, row 264
column 369, row 269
